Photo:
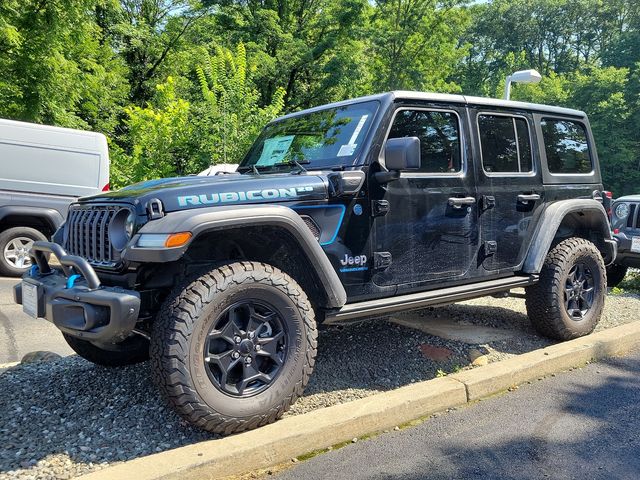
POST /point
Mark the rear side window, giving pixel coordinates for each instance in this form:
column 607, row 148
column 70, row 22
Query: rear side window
column 566, row 145
column 439, row 136
column 505, row 144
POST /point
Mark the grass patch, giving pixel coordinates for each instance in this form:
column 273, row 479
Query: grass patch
column 630, row 284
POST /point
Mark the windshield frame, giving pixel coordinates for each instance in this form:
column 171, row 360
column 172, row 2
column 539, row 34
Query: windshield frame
column 356, row 160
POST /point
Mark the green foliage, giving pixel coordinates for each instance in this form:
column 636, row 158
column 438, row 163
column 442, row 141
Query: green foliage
column 179, row 84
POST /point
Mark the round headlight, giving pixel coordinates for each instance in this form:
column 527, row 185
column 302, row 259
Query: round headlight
column 129, row 225
column 622, row 210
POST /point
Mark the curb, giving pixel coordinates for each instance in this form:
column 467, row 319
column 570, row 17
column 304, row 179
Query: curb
column 294, row 436
column 5, row 366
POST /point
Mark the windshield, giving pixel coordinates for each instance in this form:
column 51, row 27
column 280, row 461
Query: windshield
column 323, row 139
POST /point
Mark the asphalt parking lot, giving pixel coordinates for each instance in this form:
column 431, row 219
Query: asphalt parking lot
column 21, row 334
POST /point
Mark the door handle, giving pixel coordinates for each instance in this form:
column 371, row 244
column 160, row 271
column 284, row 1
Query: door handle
column 528, row 197
column 459, row 202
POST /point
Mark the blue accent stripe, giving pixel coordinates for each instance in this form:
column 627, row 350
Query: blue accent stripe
column 335, row 233
column 354, row 269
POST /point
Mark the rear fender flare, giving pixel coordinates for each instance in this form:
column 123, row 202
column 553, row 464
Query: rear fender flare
column 591, row 212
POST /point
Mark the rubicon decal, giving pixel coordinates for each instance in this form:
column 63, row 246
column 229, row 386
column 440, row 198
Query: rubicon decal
column 242, row 196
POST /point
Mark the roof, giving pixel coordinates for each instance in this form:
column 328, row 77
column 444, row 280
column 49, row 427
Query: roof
column 446, row 98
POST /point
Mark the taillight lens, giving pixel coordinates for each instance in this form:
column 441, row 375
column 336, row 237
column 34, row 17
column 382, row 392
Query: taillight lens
column 106, row 188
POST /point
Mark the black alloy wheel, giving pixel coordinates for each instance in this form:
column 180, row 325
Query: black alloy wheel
column 245, row 348
column 579, row 291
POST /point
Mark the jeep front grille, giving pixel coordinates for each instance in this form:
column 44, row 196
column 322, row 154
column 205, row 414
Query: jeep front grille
column 632, row 219
column 87, row 233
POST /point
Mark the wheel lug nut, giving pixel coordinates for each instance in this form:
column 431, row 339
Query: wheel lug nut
column 235, row 355
column 258, row 348
column 251, row 335
column 247, row 360
column 237, row 339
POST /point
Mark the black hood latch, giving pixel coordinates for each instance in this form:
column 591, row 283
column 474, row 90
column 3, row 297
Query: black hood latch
column 154, row 209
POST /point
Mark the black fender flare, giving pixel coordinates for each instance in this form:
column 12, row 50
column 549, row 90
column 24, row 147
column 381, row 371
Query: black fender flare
column 550, row 220
column 198, row 221
column 51, row 216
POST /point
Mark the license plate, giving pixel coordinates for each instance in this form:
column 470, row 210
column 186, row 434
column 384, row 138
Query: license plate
column 30, row 299
column 635, row 244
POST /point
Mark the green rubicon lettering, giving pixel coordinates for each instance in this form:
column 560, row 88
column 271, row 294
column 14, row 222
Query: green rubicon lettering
column 243, row 196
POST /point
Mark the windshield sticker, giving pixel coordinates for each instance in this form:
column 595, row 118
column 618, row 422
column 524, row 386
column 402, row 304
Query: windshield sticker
column 274, row 150
column 347, row 150
column 358, row 129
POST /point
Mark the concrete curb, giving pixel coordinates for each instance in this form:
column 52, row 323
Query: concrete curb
column 320, row 429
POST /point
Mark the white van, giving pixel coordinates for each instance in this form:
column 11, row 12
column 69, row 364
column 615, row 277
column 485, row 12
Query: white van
column 42, row 170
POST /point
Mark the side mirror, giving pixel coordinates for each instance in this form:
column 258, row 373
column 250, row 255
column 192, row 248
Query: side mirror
column 400, row 154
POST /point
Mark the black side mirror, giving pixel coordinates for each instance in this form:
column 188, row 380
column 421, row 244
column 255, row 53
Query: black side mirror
column 400, row 154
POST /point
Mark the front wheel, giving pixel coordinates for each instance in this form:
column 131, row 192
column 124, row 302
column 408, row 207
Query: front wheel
column 232, row 349
column 569, row 297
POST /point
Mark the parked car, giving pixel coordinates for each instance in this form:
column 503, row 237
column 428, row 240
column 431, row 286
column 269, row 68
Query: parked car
column 43, row 170
column 219, row 169
column 360, row 208
column 625, row 221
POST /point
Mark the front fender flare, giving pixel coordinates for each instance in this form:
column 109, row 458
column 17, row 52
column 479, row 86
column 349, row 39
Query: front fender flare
column 220, row 218
column 551, row 219
column 49, row 215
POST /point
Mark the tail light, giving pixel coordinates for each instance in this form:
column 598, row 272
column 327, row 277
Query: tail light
column 106, row 188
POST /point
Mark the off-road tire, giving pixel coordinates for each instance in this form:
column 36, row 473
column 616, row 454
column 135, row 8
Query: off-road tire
column 615, row 274
column 6, row 237
column 134, row 349
column 545, row 300
column 177, row 347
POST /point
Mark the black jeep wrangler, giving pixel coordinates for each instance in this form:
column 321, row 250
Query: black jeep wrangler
column 359, row 208
column 625, row 222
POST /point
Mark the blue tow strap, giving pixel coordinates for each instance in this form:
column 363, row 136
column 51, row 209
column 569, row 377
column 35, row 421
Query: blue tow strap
column 33, row 271
column 72, row 280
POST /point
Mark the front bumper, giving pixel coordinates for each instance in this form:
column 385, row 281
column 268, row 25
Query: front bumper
column 72, row 298
column 625, row 256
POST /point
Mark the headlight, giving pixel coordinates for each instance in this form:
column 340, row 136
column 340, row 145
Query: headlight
column 622, row 210
column 129, row 225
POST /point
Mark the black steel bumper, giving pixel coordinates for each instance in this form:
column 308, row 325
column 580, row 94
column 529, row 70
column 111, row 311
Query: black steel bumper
column 625, row 256
column 72, row 298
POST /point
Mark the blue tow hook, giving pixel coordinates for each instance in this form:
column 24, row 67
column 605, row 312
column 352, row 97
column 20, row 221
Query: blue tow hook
column 72, row 280
column 33, row 271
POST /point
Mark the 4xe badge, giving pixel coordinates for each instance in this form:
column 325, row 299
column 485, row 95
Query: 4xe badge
column 354, row 263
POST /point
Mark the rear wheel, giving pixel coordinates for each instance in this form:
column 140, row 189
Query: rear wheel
column 235, row 347
column 615, row 274
column 14, row 249
column 568, row 299
column 134, row 349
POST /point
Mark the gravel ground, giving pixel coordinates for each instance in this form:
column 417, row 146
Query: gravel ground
column 68, row 417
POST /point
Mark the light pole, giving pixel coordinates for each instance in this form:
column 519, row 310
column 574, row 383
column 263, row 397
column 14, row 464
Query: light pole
column 522, row 76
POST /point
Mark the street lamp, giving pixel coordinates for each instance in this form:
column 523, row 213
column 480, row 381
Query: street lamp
column 523, row 76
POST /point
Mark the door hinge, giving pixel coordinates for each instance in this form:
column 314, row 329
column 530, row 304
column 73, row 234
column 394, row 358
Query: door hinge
column 488, row 201
column 380, row 208
column 490, row 248
column 381, row 260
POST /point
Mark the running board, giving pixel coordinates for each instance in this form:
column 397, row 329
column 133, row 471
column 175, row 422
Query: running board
column 414, row 301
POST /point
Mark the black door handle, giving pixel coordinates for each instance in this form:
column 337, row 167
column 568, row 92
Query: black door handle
column 459, row 202
column 528, row 197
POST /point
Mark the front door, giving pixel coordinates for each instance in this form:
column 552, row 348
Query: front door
column 509, row 187
column 430, row 232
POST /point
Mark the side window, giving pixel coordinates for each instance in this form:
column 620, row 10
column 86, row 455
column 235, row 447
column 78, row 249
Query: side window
column 505, row 144
column 566, row 145
column 439, row 135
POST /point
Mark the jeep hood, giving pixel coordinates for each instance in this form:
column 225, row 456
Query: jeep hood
column 200, row 192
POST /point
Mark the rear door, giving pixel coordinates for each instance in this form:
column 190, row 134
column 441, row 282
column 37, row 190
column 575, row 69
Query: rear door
column 509, row 186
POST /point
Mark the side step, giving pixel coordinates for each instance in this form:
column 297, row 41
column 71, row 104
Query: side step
column 413, row 301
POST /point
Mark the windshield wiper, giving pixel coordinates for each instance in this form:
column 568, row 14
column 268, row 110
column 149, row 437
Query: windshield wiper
column 255, row 169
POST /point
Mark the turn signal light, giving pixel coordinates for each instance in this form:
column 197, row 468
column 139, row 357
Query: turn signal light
column 177, row 239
